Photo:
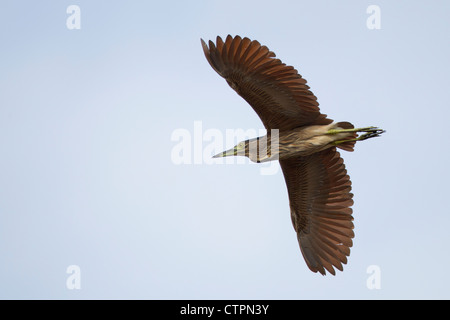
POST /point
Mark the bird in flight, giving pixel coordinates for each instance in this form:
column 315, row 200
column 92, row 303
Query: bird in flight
column 304, row 141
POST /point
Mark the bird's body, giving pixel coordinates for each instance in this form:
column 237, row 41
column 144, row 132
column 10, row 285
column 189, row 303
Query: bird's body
column 302, row 139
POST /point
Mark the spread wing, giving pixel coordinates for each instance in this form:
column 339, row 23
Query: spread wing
column 277, row 93
column 320, row 200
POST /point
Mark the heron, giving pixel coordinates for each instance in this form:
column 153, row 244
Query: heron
column 318, row 186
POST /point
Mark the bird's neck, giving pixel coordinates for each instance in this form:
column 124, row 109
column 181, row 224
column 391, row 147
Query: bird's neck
column 265, row 148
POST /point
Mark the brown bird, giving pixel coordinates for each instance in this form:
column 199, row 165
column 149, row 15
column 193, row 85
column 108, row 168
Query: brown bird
column 302, row 139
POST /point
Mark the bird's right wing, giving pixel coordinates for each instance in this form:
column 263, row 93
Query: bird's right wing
column 277, row 93
column 320, row 200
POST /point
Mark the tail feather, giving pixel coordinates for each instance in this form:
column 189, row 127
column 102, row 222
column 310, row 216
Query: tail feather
column 348, row 145
column 345, row 125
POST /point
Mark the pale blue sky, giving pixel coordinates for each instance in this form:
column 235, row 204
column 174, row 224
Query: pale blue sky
column 87, row 179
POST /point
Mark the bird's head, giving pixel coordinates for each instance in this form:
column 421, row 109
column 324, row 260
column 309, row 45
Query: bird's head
column 255, row 149
column 241, row 149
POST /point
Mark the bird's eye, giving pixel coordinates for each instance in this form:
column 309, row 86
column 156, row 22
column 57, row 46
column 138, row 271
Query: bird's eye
column 241, row 144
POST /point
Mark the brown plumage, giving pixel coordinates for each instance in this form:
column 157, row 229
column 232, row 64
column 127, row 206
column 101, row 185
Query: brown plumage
column 316, row 178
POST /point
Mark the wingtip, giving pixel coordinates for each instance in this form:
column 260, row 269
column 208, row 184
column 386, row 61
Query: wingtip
column 204, row 45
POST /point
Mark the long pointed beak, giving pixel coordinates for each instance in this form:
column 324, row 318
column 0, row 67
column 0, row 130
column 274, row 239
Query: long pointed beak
column 230, row 152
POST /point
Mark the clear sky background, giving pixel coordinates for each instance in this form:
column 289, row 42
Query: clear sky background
column 87, row 176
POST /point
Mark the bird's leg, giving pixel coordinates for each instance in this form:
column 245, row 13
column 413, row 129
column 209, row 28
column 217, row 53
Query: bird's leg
column 366, row 129
column 375, row 132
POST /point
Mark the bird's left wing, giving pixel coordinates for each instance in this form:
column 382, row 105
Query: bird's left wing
column 277, row 92
column 320, row 200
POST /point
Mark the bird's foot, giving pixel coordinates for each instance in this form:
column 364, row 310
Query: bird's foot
column 370, row 131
